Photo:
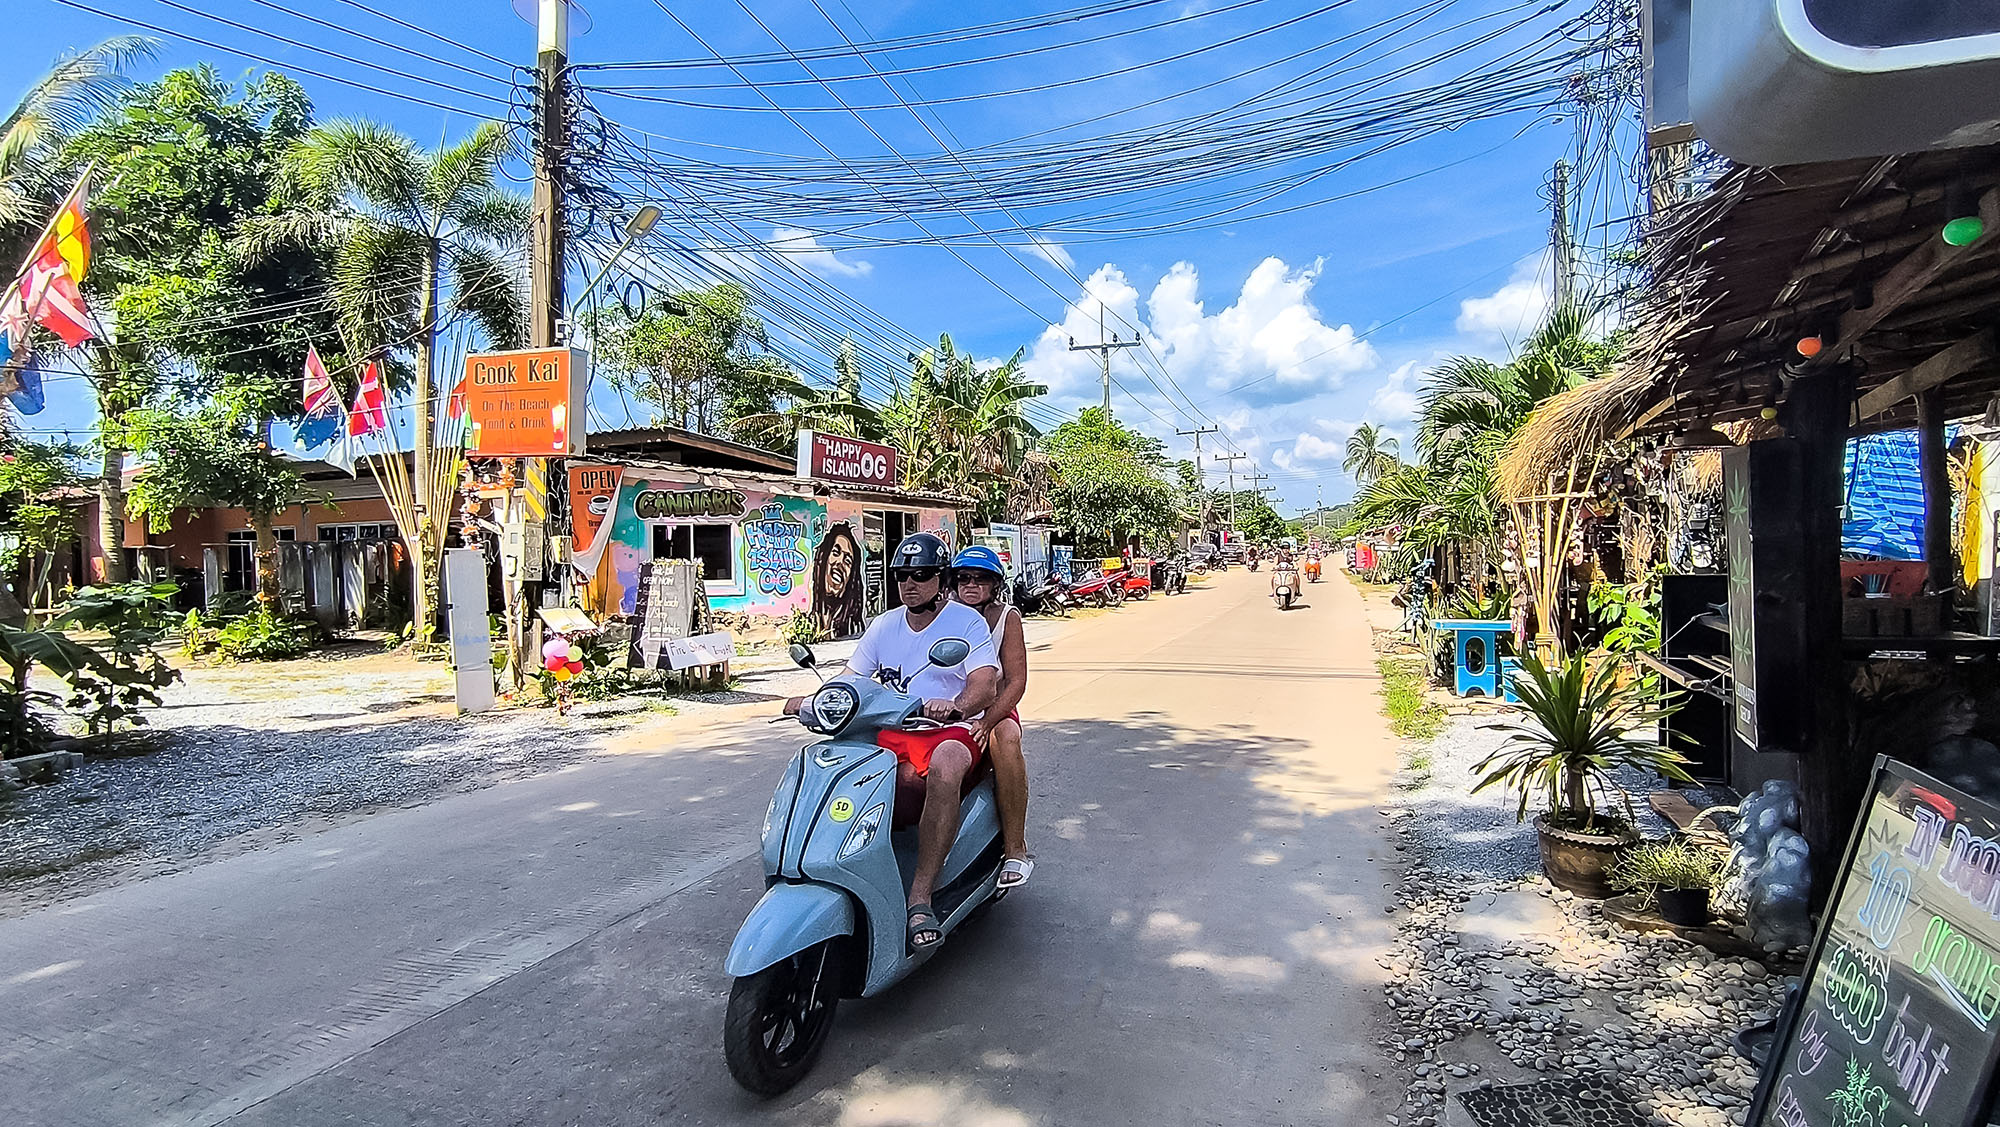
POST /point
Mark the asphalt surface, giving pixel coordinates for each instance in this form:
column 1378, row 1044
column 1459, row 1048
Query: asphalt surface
column 1198, row 945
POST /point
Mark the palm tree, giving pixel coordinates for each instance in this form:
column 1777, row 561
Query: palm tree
column 1371, row 452
column 61, row 102
column 392, row 213
column 839, row 409
column 963, row 429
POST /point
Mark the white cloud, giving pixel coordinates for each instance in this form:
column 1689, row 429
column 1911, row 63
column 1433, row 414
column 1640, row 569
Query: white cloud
column 1395, row 401
column 804, row 248
column 1050, row 252
column 1512, row 311
column 1272, row 334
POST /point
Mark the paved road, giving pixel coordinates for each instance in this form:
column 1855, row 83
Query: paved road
column 1197, row 947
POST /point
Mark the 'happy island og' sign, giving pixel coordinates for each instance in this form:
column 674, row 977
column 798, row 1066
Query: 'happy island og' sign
column 1895, row 1026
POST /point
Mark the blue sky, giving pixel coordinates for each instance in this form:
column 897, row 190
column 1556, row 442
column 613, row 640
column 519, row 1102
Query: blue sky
column 1285, row 330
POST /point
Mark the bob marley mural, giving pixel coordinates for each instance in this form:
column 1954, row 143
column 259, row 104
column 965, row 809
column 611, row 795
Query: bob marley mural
column 838, row 595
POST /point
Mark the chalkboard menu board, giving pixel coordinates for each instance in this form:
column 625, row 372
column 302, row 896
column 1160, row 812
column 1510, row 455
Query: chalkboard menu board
column 663, row 612
column 1894, row 1026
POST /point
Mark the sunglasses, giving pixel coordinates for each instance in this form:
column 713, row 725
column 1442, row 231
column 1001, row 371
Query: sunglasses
column 917, row 575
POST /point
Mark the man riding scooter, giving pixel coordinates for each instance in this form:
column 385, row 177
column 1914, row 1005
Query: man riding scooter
column 931, row 765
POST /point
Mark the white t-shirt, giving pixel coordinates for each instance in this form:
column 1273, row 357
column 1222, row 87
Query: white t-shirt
column 891, row 644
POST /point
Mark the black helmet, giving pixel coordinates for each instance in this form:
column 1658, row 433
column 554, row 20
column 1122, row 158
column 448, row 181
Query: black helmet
column 921, row 550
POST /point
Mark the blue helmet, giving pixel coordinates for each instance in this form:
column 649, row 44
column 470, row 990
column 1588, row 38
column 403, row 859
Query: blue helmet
column 978, row 557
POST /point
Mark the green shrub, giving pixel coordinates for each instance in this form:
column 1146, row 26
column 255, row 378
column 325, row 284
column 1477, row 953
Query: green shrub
column 1674, row 863
column 260, row 635
column 802, row 629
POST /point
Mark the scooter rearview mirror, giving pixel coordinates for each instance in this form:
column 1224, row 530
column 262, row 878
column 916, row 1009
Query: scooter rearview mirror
column 950, row 651
column 802, row 656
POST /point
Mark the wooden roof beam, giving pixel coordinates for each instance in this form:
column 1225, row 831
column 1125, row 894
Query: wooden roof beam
column 1977, row 350
column 1908, row 278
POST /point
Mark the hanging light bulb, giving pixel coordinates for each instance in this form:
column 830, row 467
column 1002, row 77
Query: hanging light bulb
column 1810, row 346
column 1963, row 224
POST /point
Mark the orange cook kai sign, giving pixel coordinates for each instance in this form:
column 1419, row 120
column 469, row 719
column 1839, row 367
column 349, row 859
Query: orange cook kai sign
column 526, row 403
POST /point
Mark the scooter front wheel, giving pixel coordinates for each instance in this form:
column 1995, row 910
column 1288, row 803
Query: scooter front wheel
column 778, row 1020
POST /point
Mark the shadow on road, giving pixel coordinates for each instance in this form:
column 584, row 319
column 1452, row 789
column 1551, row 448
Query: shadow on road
column 1197, row 946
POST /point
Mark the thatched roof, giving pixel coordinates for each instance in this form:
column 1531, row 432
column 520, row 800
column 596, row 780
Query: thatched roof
column 1564, row 428
column 1849, row 251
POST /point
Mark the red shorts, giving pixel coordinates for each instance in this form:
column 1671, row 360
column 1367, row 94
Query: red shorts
column 915, row 748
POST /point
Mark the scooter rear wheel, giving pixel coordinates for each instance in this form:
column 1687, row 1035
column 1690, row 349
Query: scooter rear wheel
column 778, row 1020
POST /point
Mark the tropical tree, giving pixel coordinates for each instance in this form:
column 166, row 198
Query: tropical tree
column 55, row 108
column 1110, row 481
column 1446, row 503
column 34, row 522
column 418, row 240
column 962, row 428
column 839, row 409
column 702, row 359
column 188, row 165
column 1371, row 452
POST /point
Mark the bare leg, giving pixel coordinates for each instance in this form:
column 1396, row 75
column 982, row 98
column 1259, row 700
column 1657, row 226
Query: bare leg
column 1010, row 787
column 939, row 825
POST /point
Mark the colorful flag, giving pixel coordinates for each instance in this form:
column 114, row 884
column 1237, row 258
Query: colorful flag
column 371, row 411
column 322, row 415
column 47, row 285
column 344, row 452
column 26, row 395
column 455, row 406
column 62, row 311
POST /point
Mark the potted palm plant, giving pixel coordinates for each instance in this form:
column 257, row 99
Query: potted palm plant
column 1675, row 873
column 1577, row 727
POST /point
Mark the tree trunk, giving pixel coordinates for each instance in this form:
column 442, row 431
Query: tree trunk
column 423, row 561
column 269, row 591
column 111, row 500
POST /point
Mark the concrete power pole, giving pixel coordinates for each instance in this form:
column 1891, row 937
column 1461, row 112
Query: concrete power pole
column 1232, row 459
column 1565, row 266
column 1197, row 433
column 1103, row 348
column 545, row 299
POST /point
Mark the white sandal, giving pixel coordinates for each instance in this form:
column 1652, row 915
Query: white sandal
column 1015, row 871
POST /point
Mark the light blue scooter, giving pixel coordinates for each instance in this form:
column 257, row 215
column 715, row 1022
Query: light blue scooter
column 832, row 923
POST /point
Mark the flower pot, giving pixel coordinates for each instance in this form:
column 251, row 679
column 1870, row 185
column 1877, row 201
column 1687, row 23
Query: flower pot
column 1576, row 860
column 1687, row 907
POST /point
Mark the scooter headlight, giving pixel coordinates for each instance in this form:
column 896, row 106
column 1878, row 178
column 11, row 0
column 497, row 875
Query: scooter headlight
column 833, row 706
column 863, row 831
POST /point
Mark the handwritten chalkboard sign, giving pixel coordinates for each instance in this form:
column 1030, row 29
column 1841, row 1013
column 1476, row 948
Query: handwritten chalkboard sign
column 1895, row 1024
column 663, row 612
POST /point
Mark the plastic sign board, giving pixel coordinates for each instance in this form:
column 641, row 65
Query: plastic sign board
column 1791, row 81
column 466, row 623
column 526, row 403
column 829, row 457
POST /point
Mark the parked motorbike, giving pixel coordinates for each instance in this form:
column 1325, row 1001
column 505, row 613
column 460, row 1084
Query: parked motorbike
column 1170, row 575
column 1049, row 596
column 1103, row 589
column 1285, row 585
column 836, row 875
column 1138, row 583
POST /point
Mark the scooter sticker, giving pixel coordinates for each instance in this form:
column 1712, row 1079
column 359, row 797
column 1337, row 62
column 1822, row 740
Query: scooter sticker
column 841, row 810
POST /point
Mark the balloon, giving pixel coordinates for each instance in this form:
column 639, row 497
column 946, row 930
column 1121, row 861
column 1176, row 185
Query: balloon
column 574, row 666
column 556, row 647
column 554, row 663
column 561, row 674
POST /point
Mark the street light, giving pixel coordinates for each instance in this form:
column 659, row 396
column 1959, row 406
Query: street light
column 638, row 227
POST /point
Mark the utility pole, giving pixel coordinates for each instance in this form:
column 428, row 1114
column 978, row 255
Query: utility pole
column 1103, row 348
column 545, row 313
column 1565, row 286
column 1198, row 468
column 1232, row 459
column 1319, row 510
column 545, row 235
